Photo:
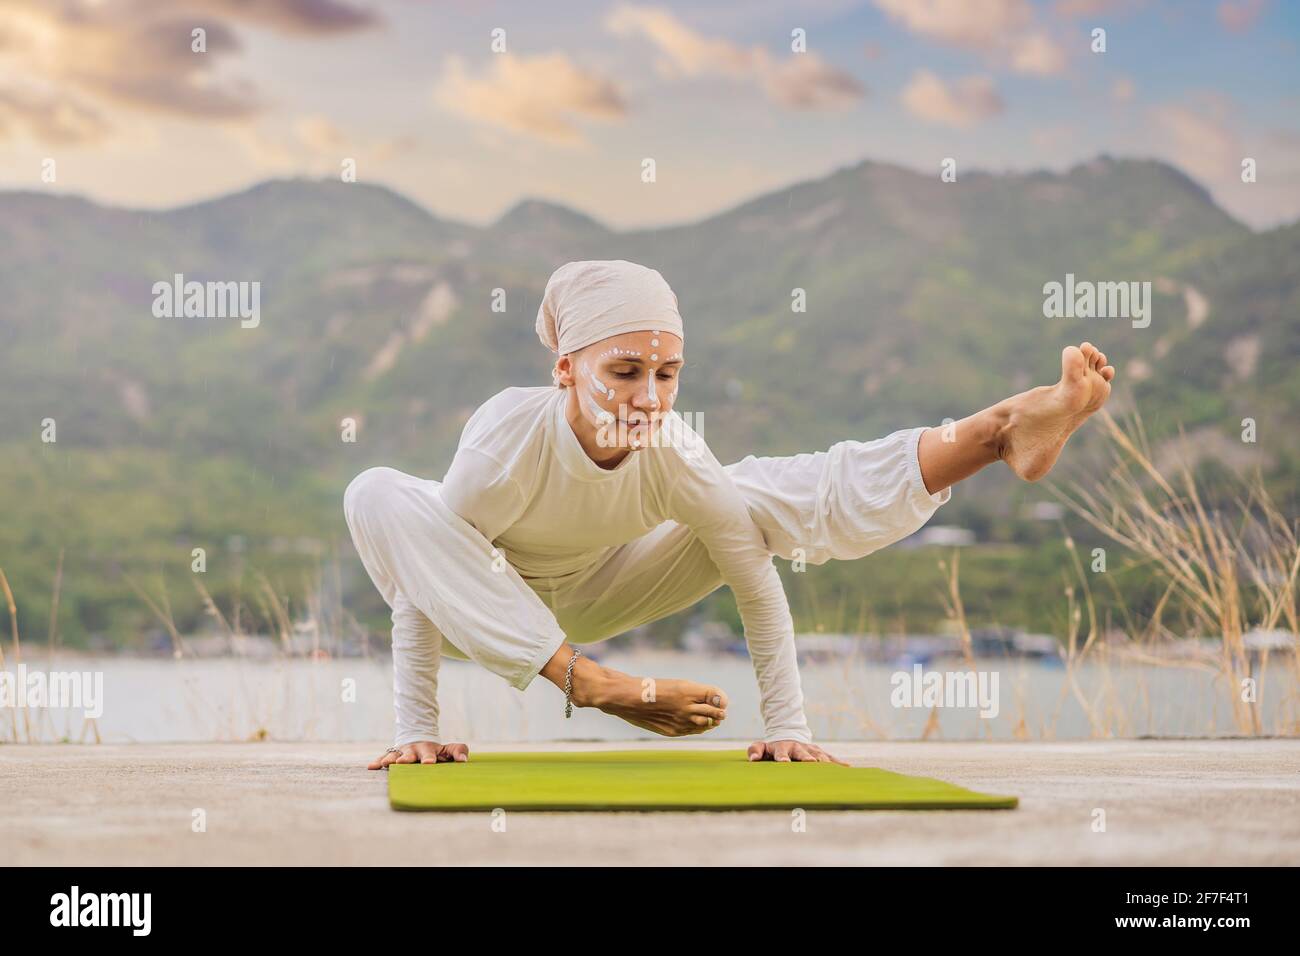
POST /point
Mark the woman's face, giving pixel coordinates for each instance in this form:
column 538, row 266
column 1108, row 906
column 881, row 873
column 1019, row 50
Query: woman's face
column 625, row 384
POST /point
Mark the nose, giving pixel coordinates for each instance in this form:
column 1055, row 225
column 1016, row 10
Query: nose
column 647, row 396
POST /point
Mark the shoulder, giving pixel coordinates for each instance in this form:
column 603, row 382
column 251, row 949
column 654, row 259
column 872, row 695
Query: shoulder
column 506, row 417
column 689, row 471
column 683, row 449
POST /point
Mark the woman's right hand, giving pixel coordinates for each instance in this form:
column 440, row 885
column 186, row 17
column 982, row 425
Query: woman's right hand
column 421, row 751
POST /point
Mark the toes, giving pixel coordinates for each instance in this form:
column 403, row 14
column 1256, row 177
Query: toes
column 1073, row 363
column 1108, row 372
column 707, row 710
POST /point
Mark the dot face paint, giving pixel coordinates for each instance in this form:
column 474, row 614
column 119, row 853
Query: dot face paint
column 637, row 426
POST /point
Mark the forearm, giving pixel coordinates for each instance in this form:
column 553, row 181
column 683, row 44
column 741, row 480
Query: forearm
column 769, row 634
column 417, row 656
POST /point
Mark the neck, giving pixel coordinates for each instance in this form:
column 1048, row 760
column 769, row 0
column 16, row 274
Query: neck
column 585, row 432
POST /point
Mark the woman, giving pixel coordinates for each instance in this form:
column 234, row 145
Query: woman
column 575, row 513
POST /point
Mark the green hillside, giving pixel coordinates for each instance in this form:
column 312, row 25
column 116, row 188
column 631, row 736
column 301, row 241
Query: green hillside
column 924, row 301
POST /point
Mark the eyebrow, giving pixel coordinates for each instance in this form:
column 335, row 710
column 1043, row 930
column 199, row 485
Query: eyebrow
column 639, row 361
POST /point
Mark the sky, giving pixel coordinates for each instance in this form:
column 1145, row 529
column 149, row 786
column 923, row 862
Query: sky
column 468, row 106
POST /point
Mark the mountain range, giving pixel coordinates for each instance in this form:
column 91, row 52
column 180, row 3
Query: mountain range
column 924, row 300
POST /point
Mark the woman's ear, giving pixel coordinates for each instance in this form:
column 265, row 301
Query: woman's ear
column 562, row 374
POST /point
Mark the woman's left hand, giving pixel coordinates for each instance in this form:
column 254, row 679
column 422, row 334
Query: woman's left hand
column 789, row 750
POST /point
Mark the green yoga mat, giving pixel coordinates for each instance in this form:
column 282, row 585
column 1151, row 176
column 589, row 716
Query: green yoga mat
column 667, row 780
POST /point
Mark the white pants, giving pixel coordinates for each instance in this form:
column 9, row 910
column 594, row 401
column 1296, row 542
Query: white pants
column 428, row 562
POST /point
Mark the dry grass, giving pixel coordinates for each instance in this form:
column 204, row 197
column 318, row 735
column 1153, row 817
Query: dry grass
column 1230, row 571
column 250, row 716
column 1225, row 572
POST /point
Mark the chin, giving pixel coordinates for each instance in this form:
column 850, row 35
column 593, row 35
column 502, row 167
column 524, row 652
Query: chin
column 647, row 437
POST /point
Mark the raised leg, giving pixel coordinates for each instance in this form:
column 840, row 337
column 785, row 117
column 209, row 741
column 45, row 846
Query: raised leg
column 845, row 502
column 1027, row 431
column 858, row 497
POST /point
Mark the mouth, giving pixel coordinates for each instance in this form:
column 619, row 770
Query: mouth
column 641, row 426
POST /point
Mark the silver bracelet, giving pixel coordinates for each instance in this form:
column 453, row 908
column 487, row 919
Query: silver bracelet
column 568, row 684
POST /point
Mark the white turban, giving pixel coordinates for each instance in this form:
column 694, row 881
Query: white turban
column 588, row 301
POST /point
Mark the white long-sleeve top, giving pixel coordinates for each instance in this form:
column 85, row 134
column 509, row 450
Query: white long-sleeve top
column 521, row 478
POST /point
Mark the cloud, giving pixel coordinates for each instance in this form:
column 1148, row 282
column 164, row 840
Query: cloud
column 974, row 24
column 285, row 16
column 964, row 103
column 686, row 52
column 391, row 148
column 324, row 140
column 315, row 145
column 1239, row 16
column 1199, row 138
column 84, row 57
column 803, row 81
column 319, row 134
column 1035, row 53
column 1122, row 89
column 1206, row 136
column 536, row 95
column 1071, row 9
column 1002, row 30
column 49, row 118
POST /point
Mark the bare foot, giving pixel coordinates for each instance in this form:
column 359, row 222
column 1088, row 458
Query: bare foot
column 1040, row 420
column 673, row 708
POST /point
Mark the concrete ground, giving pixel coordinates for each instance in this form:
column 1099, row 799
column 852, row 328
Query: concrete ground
column 1209, row 802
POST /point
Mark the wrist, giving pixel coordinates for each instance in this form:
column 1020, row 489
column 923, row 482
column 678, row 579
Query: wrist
column 799, row 735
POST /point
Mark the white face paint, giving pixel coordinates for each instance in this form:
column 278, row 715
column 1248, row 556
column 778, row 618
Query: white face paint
column 601, row 415
column 593, row 393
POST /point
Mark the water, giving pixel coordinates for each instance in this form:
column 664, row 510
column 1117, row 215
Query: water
column 296, row 699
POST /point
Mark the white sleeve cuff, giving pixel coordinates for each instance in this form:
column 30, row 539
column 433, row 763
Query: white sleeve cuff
column 799, row 734
column 922, row 498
